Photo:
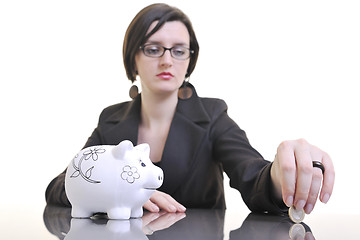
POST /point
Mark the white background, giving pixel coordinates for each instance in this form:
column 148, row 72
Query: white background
column 287, row 70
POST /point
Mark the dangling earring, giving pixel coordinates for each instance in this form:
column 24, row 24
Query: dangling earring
column 185, row 92
column 134, row 90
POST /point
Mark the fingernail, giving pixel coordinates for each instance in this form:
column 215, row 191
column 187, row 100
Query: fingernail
column 325, row 198
column 308, row 208
column 300, row 204
column 182, row 208
column 289, row 201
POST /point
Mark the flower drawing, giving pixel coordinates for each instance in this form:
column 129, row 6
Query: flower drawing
column 93, row 153
column 130, row 174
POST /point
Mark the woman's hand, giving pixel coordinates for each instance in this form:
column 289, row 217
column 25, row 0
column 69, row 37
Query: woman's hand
column 295, row 178
column 160, row 200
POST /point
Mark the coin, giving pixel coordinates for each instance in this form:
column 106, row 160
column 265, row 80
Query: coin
column 297, row 231
column 297, row 216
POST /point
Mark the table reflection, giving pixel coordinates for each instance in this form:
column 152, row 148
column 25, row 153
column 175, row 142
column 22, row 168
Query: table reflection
column 194, row 224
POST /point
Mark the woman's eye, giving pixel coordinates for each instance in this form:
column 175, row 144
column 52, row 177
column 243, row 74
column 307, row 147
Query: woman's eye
column 178, row 51
column 152, row 50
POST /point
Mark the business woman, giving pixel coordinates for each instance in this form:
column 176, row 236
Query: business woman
column 193, row 139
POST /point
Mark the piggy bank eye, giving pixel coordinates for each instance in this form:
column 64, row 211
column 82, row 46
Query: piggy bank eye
column 143, row 164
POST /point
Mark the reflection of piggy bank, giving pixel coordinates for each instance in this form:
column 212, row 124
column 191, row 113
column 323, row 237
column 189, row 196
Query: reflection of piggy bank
column 116, row 180
column 112, row 229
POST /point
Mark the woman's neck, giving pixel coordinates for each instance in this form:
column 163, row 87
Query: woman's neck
column 157, row 110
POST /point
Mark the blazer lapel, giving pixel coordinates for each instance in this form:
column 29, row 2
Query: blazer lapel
column 125, row 123
column 187, row 132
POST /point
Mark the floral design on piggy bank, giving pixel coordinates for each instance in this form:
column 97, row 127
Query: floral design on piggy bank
column 116, row 180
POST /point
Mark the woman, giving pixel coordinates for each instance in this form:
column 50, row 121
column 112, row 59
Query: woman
column 193, row 139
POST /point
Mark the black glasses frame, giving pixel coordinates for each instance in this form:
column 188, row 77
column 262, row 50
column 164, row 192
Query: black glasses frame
column 164, row 50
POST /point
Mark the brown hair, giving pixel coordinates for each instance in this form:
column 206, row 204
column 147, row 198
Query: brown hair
column 136, row 34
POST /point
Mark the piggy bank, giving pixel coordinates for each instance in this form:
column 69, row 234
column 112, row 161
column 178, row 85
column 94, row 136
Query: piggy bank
column 116, row 180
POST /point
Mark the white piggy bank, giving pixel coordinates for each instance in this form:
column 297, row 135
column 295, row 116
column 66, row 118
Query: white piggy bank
column 116, row 180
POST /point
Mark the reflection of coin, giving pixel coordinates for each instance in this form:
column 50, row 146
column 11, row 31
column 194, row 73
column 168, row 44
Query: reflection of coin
column 297, row 231
column 297, row 216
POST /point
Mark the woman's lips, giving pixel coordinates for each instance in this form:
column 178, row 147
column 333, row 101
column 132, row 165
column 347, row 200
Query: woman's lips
column 165, row 75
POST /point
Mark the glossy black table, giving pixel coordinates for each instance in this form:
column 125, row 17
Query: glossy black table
column 194, row 224
column 53, row 222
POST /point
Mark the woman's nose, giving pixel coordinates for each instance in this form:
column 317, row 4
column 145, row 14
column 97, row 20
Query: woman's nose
column 166, row 59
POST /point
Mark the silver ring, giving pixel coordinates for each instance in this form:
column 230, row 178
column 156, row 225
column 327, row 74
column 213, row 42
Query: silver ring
column 319, row 165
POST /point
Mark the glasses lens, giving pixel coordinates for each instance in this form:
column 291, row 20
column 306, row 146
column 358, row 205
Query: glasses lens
column 153, row 50
column 180, row 52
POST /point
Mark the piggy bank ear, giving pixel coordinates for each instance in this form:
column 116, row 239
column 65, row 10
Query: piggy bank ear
column 145, row 148
column 120, row 150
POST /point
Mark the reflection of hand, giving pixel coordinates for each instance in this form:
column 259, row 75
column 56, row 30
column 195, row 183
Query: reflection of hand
column 160, row 200
column 271, row 227
column 309, row 236
column 153, row 222
column 295, row 177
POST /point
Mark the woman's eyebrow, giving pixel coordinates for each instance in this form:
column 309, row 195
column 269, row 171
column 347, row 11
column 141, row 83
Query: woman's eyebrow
column 161, row 44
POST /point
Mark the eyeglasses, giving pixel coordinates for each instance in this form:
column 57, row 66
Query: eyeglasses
column 156, row 51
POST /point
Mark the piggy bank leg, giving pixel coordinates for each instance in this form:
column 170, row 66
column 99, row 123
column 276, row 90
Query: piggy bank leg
column 137, row 212
column 77, row 212
column 119, row 213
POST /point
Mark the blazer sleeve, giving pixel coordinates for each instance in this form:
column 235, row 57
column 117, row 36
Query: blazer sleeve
column 55, row 191
column 247, row 170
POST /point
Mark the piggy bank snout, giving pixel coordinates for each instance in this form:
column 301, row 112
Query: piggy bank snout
column 155, row 179
column 160, row 177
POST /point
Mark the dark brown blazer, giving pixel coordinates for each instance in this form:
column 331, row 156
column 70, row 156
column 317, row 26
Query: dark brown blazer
column 203, row 142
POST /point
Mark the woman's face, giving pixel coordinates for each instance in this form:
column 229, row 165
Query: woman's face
column 164, row 75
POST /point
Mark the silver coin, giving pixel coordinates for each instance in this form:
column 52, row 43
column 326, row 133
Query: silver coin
column 297, row 231
column 297, row 216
